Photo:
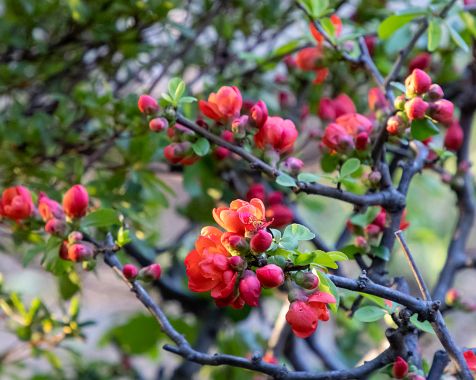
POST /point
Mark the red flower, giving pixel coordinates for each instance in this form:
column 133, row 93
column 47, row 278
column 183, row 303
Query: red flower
column 16, row 203
column 48, row 208
column 331, row 109
column 147, row 104
column 256, row 190
column 417, row 83
column 337, row 139
column 223, row 105
column 421, row 61
column 241, row 216
column 376, row 99
column 303, row 316
column 278, row 133
column 308, row 59
column 259, row 114
column 76, row 201
column 470, row 358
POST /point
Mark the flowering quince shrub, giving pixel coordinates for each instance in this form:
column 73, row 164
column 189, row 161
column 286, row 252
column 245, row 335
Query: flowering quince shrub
column 305, row 168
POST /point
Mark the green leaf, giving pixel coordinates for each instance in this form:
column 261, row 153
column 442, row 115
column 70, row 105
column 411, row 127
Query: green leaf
column 173, row 86
column 329, row 162
column 308, row 177
column 328, row 27
column 299, row 231
column 457, row 38
column 423, row 128
column 381, row 252
column 104, row 217
column 434, row 34
column 286, row 48
column 469, row 21
column 187, row 99
column 167, row 98
column 179, row 90
column 423, row 326
column 377, row 300
column 285, row 180
column 391, row 24
column 321, row 258
column 201, row 147
column 123, row 237
column 349, row 167
column 362, row 220
column 319, row 7
column 276, row 234
column 369, row 314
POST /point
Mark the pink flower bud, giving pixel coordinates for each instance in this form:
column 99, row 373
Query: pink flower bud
column 374, row 177
column 362, row 141
column 158, row 124
column 235, row 243
column 452, row 296
column 75, row 237
column 55, row 227
column 421, row 61
column 416, row 108
column 221, row 153
column 150, row 273
column 372, row 230
column 75, row 202
column 261, row 241
column 361, row 242
column 49, row 208
column 396, row 125
column 130, row 271
column 293, row 165
column 259, row 114
column 83, row 251
column 442, row 111
column 270, row 276
column 306, row 280
column 237, row 263
column 417, row 83
column 454, row 137
column 147, row 104
column 256, row 190
column 435, row 92
column 250, row 288
column 400, row 368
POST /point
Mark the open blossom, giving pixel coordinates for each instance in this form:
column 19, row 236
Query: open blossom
column 303, row 316
column 331, row 109
column 241, row 216
column 223, row 105
column 278, row 133
column 16, row 203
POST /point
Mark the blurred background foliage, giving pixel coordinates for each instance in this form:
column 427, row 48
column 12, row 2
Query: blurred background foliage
column 70, row 75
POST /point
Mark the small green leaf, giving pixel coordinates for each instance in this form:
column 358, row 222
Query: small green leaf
column 187, row 99
column 276, row 234
column 329, row 162
column 173, row 85
column 369, row 314
column 201, row 147
column 423, row 326
column 328, row 27
column 285, row 180
column 104, row 217
column 308, row 177
column 362, row 220
column 423, row 128
column 381, row 252
column 457, row 38
column 167, row 98
column 326, row 285
column 349, row 167
column 123, row 237
column 299, row 232
column 434, row 34
column 179, row 90
column 391, row 24
column 319, row 7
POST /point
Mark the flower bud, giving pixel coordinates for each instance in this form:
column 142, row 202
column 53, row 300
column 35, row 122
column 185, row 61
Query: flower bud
column 281, row 215
column 435, row 92
column 250, row 288
column 236, row 244
column 259, row 114
column 261, row 241
column 396, row 125
column 147, row 104
column 293, row 165
column 180, row 153
column 221, row 153
column 454, row 137
column 372, row 230
column 16, row 203
column 158, row 124
column 297, row 294
column 374, row 177
column 82, row 251
column 256, row 190
column 270, row 276
column 237, row 263
column 442, row 111
column 75, row 237
column 55, row 227
column 362, row 141
column 400, row 368
column 417, row 83
column 130, row 271
column 416, row 108
column 421, row 61
column 75, row 202
column 361, row 242
column 63, row 251
column 150, row 273
column 399, row 102
column 306, row 280
column 275, row 197
column 49, row 208
column 238, row 126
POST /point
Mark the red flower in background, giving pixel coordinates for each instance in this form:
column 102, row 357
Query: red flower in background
column 330, row 109
column 16, row 203
column 336, row 22
column 278, row 133
column 470, row 358
column 223, row 105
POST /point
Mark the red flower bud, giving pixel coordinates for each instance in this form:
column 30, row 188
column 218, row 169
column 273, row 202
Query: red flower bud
column 158, row 124
column 237, row 263
column 435, row 92
column 63, row 251
column 147, row 104
column 221, row 153
column 361, row 242
column 82, row 251
column 417, row 83
column 454, row 137
column 180, row 153
column 416, row 108
column 280, row 215
column 130, row 271
column 362, row 141
column 421, row 61
column 16, row 203
column 275, row 197
column 256, row 190
column 75, row 202
column 306, row 280
column 470, row 358
column 235, row 243
column 55, row 227
column 372, row 229
column 261, row 241
column 396, row 125
column 259, row 114
column 370, row 42
column 270, row 276
column 293, row 165
column 250, row 288
column 442, row 111
column 150, row 273
column 452, row 296
column 75, row 237
column 400, row 368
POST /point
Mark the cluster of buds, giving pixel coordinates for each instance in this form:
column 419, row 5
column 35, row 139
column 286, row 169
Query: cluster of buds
column 149, row 273
column 233, row 266
column 76, row 249
column 422, row 99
